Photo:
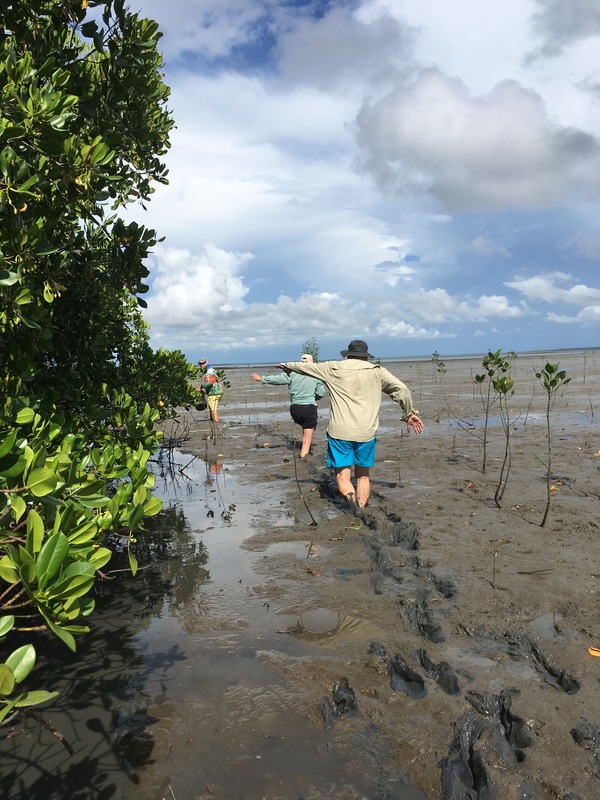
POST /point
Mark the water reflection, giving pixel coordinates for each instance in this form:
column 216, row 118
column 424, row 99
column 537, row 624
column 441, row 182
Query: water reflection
column 177, row 688
column 102, row 710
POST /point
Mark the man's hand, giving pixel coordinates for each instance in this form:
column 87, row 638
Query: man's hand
column 255, row 376
column 415, row 423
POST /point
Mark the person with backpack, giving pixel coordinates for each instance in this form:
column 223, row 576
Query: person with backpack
column 212, row 388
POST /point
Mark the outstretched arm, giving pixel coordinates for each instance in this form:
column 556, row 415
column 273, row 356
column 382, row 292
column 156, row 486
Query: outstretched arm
column 282, row 379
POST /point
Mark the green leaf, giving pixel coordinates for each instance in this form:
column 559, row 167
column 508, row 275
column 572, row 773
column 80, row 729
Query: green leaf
column 4, row 712
column 100, row 557
column 84, row 533
column 152, row 506
column 25, row 415
column 78, row 568
column 76, row 586
column 133, row 562
column 51, row 557
column 18, row 505
column 88, row 29
column 139, row 496
column 93, row 488
column 12, row 465
column 35, row 698
column 8, row 570
column 8, row 278
column 135, row 516
column 7, row 445
column 35, row 531
column 92, row 502
column 21, row 661
column 7, row 680
column 87, row 605
column 27, row 569
column 63, row 635
column 42, row 481
column 6, row 624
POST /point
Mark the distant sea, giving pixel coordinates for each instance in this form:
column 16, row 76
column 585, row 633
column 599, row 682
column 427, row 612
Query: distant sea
column 395, row 359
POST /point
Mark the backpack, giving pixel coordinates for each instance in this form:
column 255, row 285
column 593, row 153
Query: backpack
column 211, row 384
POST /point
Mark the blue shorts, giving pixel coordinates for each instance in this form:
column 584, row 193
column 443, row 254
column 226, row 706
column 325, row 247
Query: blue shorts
column 341, row 453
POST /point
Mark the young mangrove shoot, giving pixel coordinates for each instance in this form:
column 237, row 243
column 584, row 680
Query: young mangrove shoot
column 552, row 380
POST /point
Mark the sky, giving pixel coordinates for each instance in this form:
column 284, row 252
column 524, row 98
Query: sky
column 420, row 174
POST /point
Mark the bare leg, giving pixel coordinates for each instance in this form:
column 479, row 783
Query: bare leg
column 214, row 414
column 363, row 485
column 343, row 477
column 307, row 437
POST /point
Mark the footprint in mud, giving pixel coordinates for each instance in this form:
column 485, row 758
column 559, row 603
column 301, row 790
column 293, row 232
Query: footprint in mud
column 523, row 646
column 402, row 534
column 442, row 673
column 498, row 709
column 344, row 703
column 480, row 748
column 417, row 614
column 404, row 679
column 444, row 583
column 477, row 750
column 383, row 584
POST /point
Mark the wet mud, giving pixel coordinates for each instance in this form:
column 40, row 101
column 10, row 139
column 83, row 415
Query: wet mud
column 458, row 664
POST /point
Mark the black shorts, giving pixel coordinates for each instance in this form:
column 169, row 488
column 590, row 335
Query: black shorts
column 305, row 416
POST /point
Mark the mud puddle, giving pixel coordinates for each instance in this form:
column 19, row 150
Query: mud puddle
column 229, row 724
column 176, row 692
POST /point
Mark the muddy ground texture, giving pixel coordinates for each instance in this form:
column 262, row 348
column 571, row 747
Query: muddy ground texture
column 464, row 627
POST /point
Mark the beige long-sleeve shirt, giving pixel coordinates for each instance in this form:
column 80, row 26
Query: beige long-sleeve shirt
column 355, row 388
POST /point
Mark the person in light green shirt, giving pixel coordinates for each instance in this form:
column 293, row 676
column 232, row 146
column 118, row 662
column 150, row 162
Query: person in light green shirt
column 355, row 386
column 304, row 394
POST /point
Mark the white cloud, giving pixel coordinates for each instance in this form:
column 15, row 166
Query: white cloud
column 404, row 330
column 188, row 290
column 495, row 151
column 479, row 42
column 437, row 306
column 544, row 287
column 587, row 317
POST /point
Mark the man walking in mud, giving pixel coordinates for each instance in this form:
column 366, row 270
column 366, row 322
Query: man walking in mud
column 355, row 386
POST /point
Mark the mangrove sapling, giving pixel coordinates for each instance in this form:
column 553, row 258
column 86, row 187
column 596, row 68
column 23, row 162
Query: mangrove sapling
column 435, row 357
column 552, row 380
column 312, row 348
column 419, row 380
column 585, row 356
column 503, row 387
column 495, row 365
column 440, row 369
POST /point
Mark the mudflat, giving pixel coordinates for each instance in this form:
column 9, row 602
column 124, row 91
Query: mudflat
column 462, row 626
